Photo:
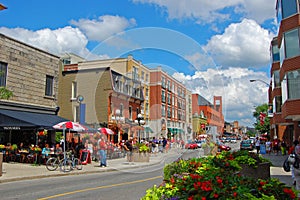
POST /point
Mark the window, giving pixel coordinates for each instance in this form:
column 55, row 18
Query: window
column 49, row 85
column 163, row 96
column 74, row 90
column 121, row 110
column 277, row 102
column 169, row 112
column 163, row 110
column 293, row 84
column 275, row 53
column 169, row 98
column 130, row 112
column 147, row 77
column 135, row 73
column 276, row 79
column 142, row 75
column 163, row 82
column 289, row 8
column 3, row 74
column 291, row 43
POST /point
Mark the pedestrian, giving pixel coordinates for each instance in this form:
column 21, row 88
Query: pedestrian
column 268, row 146
column 257, row 145
column 129, row 147
column 292, row 151
column 165, row 142
column 102, row 151
column 283, row 148
column 276, row 145
column 297, row 170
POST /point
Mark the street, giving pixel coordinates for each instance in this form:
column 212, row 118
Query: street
column 125, row 184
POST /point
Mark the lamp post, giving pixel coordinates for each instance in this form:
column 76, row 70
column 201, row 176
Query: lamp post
column 118, row 115
column 140, row 121
column 253, row 80
column 80, row 99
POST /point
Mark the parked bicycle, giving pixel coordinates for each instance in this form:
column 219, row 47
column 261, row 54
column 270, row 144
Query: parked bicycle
column 65, row 164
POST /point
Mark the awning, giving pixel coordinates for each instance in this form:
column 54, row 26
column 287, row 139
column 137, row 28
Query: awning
column 147, row 129
column 12, row 119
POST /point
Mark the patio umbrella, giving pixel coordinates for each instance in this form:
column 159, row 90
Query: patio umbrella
column 106, row 131
column 72, row 126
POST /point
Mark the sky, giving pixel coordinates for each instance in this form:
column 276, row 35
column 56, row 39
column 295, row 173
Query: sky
column 213, row 47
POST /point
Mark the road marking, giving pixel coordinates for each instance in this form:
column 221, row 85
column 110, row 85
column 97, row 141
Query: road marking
column 100, row 187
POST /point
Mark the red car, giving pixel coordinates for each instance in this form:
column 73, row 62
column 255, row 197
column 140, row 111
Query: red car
column 191, row 145
column 223, row 147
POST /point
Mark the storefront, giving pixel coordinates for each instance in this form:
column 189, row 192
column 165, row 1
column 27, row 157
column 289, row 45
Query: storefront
column 27, row 127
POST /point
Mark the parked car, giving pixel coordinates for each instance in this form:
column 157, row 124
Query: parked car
column 247, row 145
column 191, row 145
column 223, row 147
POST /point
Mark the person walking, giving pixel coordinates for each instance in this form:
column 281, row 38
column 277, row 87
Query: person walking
column 257, row 145
column 268, row 146
column 129, row 147
column 102, row 151
column 292, row 151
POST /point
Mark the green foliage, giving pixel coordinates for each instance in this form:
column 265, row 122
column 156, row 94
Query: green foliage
column 5, row 93
column 58, row 136
column 262, row 128
column 14, row 147
column 143, row 148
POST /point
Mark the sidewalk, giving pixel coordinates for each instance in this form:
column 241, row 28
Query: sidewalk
column 21, row 171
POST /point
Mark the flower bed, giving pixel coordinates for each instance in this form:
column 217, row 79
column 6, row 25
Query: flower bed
column 217, row 177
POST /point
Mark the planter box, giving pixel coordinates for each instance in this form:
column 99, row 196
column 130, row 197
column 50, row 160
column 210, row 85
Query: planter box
column 262, row 171
column 140, row 157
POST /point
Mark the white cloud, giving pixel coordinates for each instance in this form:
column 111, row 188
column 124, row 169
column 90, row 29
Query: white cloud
column 57, row 41
column 233, row 85
column 204, row 11
column 244, row 44
column 104, row 27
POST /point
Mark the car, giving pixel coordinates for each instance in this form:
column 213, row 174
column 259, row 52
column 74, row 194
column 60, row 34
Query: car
column 191, row 145
column 223, row 147
column 247, row 145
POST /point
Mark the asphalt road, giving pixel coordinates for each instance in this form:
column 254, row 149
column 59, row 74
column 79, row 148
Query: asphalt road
column 129, row 184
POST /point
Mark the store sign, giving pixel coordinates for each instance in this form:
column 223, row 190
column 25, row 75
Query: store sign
column 11, row 127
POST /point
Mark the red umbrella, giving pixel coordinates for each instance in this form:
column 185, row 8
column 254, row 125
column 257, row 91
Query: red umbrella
column 71, row 126
column 106, row 131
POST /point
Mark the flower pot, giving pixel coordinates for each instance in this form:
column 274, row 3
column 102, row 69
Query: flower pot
column 261, row 171
column 140, row 157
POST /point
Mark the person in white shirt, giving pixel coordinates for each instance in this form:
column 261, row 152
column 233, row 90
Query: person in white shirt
column 257, row 145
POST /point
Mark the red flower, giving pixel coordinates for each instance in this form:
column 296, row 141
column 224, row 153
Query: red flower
column 216, row 195
column 262, row 183
column 235, row 194
column 203, row 198
column 191, row 198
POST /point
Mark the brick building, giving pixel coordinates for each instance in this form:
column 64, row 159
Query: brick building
column 285, row 73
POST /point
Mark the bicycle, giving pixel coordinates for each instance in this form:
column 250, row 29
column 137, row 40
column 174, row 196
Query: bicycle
column 54, row 162
column 75, row 162
column 65, row 164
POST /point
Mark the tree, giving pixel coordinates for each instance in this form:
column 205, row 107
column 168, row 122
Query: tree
column 5, row 93
column 262, row 124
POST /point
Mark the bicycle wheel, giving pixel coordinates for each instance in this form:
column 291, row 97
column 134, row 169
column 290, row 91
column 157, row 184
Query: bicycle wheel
column 65, row 165
column 52, row 164
column 77, row 164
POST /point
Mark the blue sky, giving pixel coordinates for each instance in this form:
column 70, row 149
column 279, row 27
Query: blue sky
column 214, row 47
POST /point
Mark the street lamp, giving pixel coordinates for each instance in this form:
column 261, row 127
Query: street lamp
column 253, row 80
column 140, row 121
column 80, row 99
